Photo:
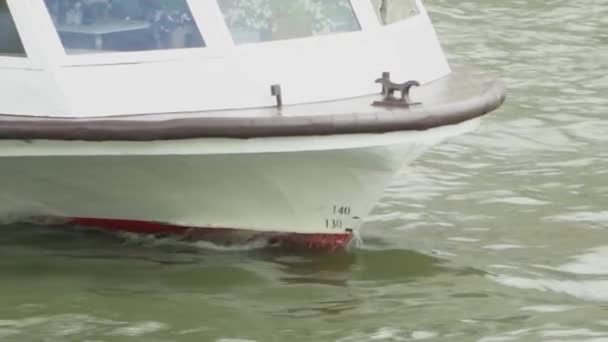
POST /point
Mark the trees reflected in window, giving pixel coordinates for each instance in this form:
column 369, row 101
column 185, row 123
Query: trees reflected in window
column 89, row 26
column 10, row 43
column 391, row 11
column 265, row 20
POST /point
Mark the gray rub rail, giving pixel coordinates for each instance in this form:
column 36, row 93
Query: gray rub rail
column 459, row 97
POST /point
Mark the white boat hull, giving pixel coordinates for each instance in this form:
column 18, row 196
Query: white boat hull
column 309, row 185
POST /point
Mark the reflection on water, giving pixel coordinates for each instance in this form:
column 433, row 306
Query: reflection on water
column 61, row 273
column 498, row 235
column 69, row 250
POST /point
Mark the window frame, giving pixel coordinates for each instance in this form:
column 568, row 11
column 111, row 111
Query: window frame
column 419, row 9
column 209, row 18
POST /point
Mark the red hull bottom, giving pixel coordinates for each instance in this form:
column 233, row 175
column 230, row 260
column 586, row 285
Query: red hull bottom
column 328, row 242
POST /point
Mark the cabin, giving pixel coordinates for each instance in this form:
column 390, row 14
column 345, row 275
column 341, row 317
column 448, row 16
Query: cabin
column 102, row 58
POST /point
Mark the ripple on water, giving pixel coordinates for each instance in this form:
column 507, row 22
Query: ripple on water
column 550, row 332
column 595, row 262
column 390, row 334
column 139, row 329
column 591, row 290
column 69, row 325
column 592, row 263
column 598, row 217
column 524, row 197
column 548, row 308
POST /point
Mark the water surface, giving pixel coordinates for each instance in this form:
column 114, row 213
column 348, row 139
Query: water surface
column 500, row 235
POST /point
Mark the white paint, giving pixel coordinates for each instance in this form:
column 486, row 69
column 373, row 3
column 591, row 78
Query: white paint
column 274, row 184
column 220, row 76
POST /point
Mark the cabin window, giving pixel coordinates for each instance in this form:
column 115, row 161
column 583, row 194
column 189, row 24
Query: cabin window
column 253, row 21
column 10, row 43
column 92, row 26
column 390, row 11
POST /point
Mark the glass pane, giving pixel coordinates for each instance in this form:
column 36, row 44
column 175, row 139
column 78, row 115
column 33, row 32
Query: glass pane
column 390, row 11
column 10, row 43
column 90, row 26
column 265, row 20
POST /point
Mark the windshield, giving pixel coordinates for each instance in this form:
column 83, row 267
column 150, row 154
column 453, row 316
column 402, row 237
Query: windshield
column 93, row 26
column 10, row 43
column 265, row 20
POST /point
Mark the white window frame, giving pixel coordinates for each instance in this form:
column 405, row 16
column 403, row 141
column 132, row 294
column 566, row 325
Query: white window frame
column 419, row 7
column 366, row 15
column 9, row 62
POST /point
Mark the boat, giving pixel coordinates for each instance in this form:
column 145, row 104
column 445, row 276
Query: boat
column 271, row 118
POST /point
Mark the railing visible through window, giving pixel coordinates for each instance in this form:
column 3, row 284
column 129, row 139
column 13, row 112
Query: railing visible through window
column 10, row 42
column 92, row 26
column 266, row 20
column 391, row 11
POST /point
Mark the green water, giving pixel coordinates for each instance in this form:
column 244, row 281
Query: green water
column 500, row 235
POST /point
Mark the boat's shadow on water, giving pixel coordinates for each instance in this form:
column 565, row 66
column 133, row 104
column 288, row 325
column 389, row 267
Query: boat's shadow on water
column 120, row 256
